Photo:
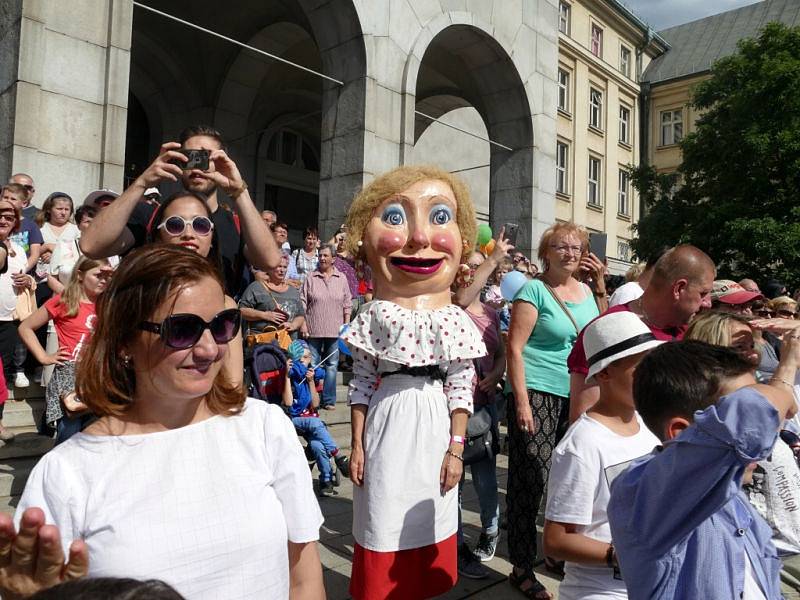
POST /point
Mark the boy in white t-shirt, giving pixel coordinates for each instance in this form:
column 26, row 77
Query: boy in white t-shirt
column 598, row 446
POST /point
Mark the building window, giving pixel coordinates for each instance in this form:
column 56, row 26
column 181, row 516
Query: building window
column 623, row 196
column 671, row 127
column 624, row 124
column 625, row 61
column 563, row 17
column 595, row 108
column 291, row 148
column 596, row 45
column 593, row 191
column 624, row 250
column 563, row 90
column 562, row 161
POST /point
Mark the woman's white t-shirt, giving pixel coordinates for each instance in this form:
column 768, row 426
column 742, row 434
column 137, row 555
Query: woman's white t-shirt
column 208, row 508
column 8, row 295
column 585, row 462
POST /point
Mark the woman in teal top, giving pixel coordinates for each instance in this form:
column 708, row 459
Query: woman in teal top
column 540, row 339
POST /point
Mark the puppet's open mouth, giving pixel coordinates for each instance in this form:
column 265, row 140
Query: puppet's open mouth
column 410, row 264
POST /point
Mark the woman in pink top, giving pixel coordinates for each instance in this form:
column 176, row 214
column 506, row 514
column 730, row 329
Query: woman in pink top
column 327, row 302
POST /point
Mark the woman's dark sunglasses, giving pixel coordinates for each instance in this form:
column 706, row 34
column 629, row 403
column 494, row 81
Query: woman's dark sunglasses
column 176, row 225
column 184, row 330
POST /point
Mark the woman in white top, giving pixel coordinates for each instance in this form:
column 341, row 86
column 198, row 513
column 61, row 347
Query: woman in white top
column 181, row 478
column 13, row 280
column 57, row 229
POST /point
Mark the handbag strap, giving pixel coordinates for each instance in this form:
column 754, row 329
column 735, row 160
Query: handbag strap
column 562, row 305
column 275, row 302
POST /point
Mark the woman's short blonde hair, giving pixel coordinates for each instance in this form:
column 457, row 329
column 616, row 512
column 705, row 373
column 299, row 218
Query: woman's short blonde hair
column 394, row 182
column 713, row 327
column 559, row 230
column 634, row 272
column 783, row 302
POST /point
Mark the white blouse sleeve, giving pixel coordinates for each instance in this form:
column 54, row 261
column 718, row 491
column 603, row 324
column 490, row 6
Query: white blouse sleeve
column 458, row 385
column 365, row 378
column 292, row 478
column 51, row 488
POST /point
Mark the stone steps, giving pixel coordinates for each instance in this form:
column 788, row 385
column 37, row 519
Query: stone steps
column 22, row 412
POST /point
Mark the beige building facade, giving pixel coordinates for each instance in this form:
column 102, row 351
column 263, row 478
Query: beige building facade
column 603, row 50
column 668, row 80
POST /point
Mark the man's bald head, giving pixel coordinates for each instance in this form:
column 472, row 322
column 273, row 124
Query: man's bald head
column 749, row 285
column 683, row 262
column 25, row 181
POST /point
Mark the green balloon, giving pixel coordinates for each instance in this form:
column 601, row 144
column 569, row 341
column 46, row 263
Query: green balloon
column 484, row 234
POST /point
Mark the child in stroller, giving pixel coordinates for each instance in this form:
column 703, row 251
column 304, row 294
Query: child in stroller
column 302, row 408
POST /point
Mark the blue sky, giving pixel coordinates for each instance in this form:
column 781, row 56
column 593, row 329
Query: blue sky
column 666, row 13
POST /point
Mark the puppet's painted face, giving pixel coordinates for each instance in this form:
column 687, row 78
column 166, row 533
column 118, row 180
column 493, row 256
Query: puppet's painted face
column 413, row 243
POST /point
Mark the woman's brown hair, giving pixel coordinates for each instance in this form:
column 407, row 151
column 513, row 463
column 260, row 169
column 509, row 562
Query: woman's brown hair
column 43, row 216
column 144, row 281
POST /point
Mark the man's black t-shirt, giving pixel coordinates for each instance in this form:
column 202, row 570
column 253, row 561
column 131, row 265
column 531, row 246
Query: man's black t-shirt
column 231, row 246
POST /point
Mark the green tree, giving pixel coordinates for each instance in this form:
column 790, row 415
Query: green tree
column 739, row 192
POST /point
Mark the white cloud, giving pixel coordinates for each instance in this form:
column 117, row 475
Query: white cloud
column 662, row 14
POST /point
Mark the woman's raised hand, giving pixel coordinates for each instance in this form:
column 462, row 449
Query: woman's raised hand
column 33, row 559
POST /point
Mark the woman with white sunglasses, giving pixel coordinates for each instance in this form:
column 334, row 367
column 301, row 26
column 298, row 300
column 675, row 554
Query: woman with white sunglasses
column 181, row 478
column 184, row 219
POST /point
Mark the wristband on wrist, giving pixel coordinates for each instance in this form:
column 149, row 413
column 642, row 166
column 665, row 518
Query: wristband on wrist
column 457, row 439
column 454, row 455
column 234, row 194
column 610, row 556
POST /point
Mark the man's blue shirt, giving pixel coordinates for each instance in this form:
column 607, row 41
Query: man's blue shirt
column 679, row 520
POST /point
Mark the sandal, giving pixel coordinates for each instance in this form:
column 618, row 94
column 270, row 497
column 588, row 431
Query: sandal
column 536, row 591
column 554, row 567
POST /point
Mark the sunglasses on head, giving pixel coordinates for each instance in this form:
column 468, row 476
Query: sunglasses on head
column 184, row 330
column 176, row 225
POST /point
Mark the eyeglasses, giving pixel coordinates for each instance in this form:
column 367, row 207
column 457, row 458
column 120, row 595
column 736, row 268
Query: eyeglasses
column 184, row 330
column 176, row 225
column 29, row 188
column 568, row 249
column 767, row 314
column 785, row 313
column 10, row 218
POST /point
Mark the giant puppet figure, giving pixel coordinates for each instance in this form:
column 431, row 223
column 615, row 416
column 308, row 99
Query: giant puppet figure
column 411, row 393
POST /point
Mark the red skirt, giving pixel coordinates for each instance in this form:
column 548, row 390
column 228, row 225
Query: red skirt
column 411, row 574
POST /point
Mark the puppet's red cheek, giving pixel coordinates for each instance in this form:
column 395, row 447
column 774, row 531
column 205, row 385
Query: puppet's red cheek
column 445, row 242
column 390, row 242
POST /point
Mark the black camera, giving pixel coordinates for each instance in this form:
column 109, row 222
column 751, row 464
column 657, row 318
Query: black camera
column 198, row 159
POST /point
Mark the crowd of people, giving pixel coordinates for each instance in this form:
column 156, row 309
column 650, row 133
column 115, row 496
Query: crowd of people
column 651, row 419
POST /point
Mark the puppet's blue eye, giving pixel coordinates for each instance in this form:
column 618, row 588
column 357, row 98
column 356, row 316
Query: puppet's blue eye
column 394, row 215
column 441, row 214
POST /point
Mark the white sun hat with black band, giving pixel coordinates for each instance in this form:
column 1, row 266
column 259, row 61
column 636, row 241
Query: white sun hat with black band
column 615, row 336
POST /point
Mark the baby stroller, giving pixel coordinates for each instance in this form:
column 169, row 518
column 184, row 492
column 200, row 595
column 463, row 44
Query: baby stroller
column 266, row 375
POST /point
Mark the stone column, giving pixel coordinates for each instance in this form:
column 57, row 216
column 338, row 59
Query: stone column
column 64, row 95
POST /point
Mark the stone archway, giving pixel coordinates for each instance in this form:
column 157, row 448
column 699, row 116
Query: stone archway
column 219, row 83
column 457, row 61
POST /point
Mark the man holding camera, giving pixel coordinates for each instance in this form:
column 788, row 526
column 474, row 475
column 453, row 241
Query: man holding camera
column 201, row 164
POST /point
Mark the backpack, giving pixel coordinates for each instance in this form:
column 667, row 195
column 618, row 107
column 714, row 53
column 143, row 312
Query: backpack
column 267, row 372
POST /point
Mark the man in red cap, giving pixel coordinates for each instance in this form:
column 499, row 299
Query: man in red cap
column 729, row 296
